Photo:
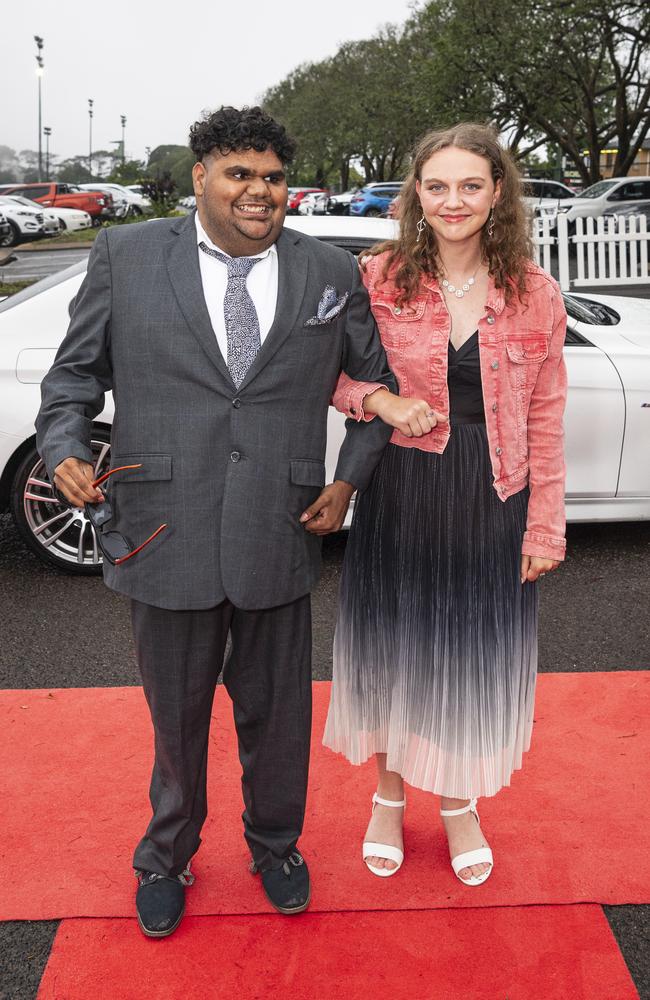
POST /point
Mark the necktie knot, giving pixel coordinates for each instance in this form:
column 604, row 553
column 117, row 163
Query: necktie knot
column 238, row 267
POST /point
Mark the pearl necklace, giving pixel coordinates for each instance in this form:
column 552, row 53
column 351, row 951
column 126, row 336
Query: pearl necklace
column 465, row 287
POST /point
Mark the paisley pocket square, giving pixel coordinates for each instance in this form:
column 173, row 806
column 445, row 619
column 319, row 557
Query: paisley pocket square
column 329, row 307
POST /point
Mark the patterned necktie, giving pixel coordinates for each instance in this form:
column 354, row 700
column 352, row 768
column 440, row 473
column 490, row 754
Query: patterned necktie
column 242, row 323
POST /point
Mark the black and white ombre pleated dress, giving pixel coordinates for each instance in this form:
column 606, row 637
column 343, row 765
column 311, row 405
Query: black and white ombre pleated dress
column 435, row 652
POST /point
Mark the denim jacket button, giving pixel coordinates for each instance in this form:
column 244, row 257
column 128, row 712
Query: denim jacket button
column 490, row 319
column 397, row 310
column 494, row 407
column 499, row 451
column 495, row 365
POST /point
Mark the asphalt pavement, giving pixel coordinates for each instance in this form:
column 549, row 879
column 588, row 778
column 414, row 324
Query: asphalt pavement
column 65, row 631
column 36, row 264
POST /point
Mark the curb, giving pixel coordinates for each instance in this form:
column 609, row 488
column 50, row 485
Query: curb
column 34, row 247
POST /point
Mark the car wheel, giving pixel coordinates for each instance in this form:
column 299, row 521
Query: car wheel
column 62, row 225
column 12, row 237
column 373, row 213
column 57, row 533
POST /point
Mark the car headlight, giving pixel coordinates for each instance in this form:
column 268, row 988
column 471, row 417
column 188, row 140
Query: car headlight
column 563, row 208
column 29, row 214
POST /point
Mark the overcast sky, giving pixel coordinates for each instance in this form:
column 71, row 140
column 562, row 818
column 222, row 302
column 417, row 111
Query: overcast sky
column 160, row 65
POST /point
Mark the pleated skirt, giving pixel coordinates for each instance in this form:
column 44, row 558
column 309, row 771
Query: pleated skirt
column 435, row 652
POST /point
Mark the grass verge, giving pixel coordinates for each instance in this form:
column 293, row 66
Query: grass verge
column 11, row 287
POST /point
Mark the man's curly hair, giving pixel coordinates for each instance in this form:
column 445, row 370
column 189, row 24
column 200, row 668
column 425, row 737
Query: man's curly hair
column 229, row 130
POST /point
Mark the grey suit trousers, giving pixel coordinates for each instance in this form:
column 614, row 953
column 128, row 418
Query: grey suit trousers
column 268, row 677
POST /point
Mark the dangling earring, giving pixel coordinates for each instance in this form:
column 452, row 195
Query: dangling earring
column 421, row 226
column 490, row 230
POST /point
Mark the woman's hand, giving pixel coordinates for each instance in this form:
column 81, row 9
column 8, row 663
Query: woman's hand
column 532, row 567
column 413, row 417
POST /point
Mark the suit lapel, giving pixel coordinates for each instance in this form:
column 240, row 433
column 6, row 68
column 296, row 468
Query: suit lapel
column 292, row 280
column 182, row 260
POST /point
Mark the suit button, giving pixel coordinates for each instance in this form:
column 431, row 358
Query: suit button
column 236, row 403
column 234, row 456
column 499, row 451
column 353, row 411
column 494, row 407
column 494, row 365
column 491, row 319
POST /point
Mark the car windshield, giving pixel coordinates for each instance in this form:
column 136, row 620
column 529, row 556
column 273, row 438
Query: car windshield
column 599, row 189
column 590, row 312
column 18, row 199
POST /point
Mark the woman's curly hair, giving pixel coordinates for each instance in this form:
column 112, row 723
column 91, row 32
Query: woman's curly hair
column 508, row 252
column 230, row 129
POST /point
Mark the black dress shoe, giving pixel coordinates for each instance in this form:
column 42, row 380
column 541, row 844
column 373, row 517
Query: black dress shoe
column 160, row 901
column 287, row 888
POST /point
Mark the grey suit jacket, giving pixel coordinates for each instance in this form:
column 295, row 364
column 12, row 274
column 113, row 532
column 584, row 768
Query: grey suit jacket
column 230, row 470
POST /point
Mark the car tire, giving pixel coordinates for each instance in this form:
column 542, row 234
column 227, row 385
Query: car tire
column 39, row 516
column 12, row 238
column 373, row 213
column 62, row 225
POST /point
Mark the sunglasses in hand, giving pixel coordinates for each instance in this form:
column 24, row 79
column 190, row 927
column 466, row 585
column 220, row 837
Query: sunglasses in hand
column 115, row 546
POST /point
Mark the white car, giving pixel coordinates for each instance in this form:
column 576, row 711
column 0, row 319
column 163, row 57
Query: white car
column 607, row 419
column 137, row 203
column 26, row 223
column 314, row 203
column 545, row 197
column 121, row 206
column 56, row 219
column 617, row 192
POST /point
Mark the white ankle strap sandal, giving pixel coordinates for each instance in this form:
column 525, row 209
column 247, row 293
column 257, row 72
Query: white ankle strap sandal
column 482, row 855
column 387, row 851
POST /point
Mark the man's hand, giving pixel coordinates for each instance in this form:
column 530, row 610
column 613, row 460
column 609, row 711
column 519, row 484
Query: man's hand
column 532, row 567
column 413, row 417
column 327, row 513
column 74, row 479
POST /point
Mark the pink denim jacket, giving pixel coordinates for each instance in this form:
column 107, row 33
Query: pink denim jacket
column 524, row 387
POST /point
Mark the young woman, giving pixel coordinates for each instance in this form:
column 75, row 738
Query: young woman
column 436, row 647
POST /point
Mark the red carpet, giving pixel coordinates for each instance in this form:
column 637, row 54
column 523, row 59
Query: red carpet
column 533, row 953
column 74, row 789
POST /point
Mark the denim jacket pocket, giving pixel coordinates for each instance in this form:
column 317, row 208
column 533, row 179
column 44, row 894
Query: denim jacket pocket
column 398, row 326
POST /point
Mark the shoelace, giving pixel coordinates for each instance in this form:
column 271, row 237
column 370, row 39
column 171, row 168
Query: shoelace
column 294, row 860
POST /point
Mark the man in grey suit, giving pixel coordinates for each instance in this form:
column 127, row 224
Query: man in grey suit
column 222, row 336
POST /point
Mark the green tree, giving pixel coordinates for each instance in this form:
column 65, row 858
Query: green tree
column 177, row 161
column 570, row 72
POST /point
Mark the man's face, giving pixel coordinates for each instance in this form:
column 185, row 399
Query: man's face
column 241, row 199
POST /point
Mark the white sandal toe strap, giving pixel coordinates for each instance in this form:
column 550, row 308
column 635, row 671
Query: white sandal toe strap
column 482, row 855
column 387, row 802
column 385, row 851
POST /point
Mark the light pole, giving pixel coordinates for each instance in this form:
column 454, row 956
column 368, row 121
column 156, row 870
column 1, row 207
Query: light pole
column 90, row 135
column 39, row 74
column 123, row 121
column 47, row 132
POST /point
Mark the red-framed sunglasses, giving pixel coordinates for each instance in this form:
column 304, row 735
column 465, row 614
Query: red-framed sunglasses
column 115, row 546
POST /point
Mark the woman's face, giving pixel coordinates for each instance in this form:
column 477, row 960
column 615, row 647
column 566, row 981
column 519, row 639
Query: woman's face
column 457, row 193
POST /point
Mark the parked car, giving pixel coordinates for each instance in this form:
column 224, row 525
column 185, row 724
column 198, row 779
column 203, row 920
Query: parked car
column 544, row 197
column 625, row 211
column 56, row 219
column 126, row 202
column 25, row 223
column 339, row 204
column 607, row 352
column 295, row 197
column 99, row 205
column 314, row 203
column 617, row 192
column 5, row 229
column 374, row 199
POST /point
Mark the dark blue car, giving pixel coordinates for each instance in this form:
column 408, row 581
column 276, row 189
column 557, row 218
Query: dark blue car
column 374, row 199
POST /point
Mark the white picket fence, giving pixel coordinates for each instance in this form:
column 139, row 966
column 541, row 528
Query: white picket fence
column 608, row 251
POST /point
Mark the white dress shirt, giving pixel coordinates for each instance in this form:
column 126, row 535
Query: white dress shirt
column 262, row 285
